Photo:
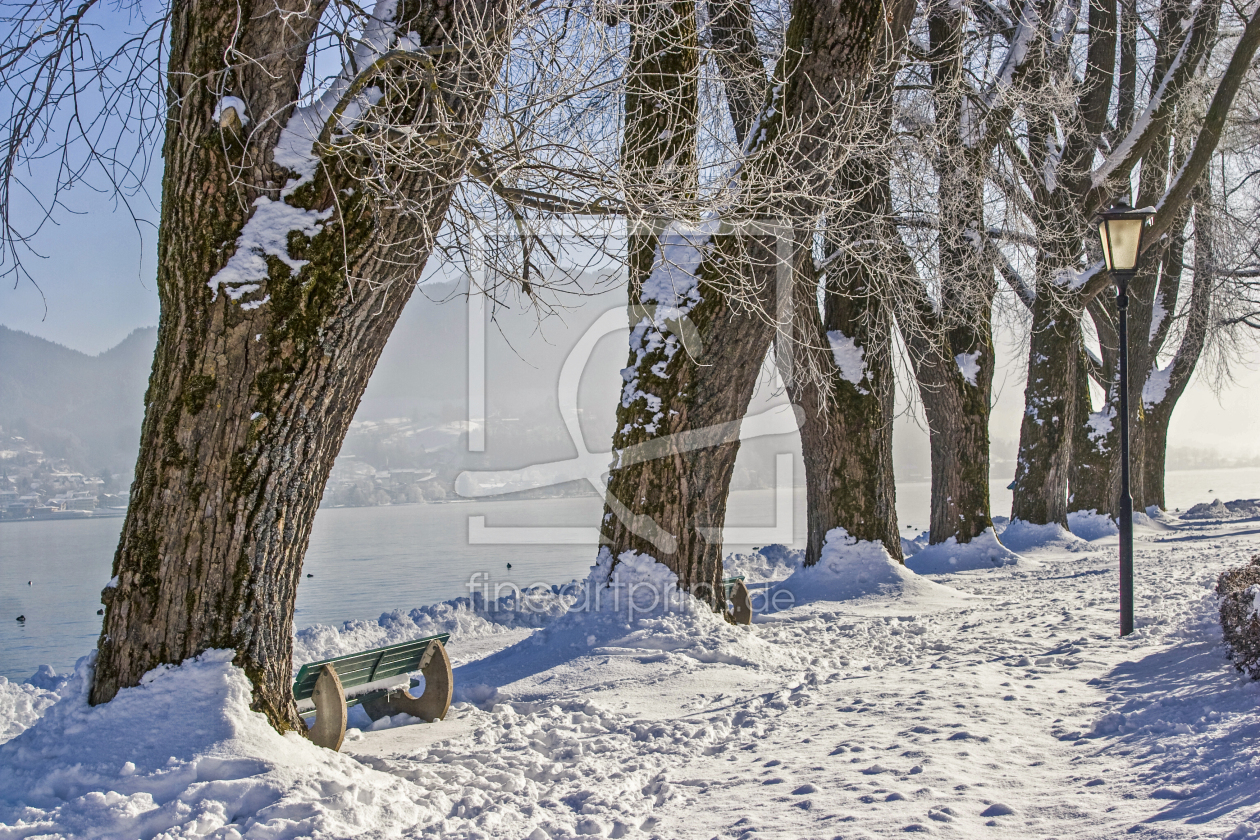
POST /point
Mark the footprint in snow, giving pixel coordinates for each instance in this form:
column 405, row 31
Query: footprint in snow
column 804, row 789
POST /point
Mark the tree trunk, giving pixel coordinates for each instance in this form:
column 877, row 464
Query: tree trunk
column 957, row 414
column 677, row 437
column 951, row 349
column 1165, row 387
column 846, row 433
column 255, row 383
column 1093, row 482
column 1050, row 400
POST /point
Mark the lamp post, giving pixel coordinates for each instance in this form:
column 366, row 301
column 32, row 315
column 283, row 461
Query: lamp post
column 1120, row 229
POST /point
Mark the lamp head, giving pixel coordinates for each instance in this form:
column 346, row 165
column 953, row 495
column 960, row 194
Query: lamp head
column 1120, row 227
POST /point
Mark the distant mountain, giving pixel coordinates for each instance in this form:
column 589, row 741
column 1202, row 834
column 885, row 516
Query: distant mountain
column 85, row 409
column 88, row 409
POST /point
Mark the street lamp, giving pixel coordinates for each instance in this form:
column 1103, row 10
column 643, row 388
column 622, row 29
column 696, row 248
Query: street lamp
column 1120, row 229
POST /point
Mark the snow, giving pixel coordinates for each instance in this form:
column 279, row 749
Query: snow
column 182, row 755
column 1100, row 423
column 1156, row 386
column 968, row 366
column 1022, row 536
column 854, row 570
column 983, row 552
column 21, row 704
column 235, row 103
column 850, row 358
column 1075, row 280
column 1092, row 525
column 669, row 293
column 266, row 232
column 992, row 702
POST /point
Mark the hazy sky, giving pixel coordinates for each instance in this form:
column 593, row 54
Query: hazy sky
column 97, row 283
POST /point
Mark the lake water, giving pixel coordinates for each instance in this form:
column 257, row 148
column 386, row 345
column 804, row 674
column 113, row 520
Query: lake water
column 367, row 561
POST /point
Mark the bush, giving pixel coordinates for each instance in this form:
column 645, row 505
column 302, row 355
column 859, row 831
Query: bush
column 1239, row 591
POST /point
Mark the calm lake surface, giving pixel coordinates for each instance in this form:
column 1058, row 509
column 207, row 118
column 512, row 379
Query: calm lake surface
column 367, row 561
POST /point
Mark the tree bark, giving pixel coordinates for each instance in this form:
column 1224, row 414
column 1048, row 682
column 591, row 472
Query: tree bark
column 677, row 435
column 253, row 387
column 1160, row 401
column 1045, row 434
column 846, row 431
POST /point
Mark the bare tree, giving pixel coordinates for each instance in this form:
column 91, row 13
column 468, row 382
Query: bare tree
column 714, row 285
column 1061, row 186
column 298, row 210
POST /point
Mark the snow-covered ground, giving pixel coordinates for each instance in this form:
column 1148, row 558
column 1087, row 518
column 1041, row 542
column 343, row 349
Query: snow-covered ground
column 996, row 701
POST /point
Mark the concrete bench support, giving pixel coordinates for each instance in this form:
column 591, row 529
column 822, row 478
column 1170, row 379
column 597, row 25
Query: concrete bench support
column 742, row 603
column 431, row 705
column 330, row 710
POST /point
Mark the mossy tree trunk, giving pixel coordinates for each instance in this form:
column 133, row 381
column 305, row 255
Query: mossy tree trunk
column 847, row 419
column 1050, row 396
column 253, row 387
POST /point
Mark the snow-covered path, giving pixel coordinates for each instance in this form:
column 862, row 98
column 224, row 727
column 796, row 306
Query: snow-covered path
column 1006, row 708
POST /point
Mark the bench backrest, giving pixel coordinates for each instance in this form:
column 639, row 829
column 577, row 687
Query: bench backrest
column 368, row 666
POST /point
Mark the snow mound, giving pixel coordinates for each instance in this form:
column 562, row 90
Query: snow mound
column 983, row 552
column 463, row 618
column 636, row 604
column 630, row 610
column 912, row 545
column 182, row 755
column 852, row 569
column 1023, row 536
column 1092, row 525
column 21, row 704
column 1216, row 509
column 773, row 562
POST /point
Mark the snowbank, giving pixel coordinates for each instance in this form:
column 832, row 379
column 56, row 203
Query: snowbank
column 1024, row 536
column 852, row 569
column 1092, row 525
column 983, row 552
column 21, row 704
column 773, row 562
column 631, row 610
column 464, row 618
column 182, row 755
column 1216, row 509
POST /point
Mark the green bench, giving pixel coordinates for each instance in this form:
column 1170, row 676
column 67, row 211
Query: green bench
column 736, row 592
column 325, row 684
